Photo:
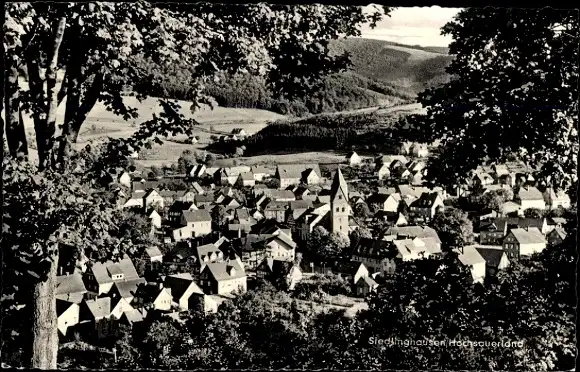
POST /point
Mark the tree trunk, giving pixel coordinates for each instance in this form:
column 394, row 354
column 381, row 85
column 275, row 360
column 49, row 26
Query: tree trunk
column 51, row 92
column 44, row 321
column 15, row 133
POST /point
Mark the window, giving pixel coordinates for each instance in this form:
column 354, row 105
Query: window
column 343, row 209
column 337, row 209
column 340, row 197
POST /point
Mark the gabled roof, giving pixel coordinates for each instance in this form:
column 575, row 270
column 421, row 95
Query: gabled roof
column 279, row 194
column 348, row 267
column 62, row 306
column 178, row 206
column 530, row 236
column 128, row 288
column 284, row 238
column 223, row 270
column 370, row 282
column 68, row 284
column 134, row 316
column 427, row 200
column 492, row 256
column 247, row 176
column 99, row 307
column 296, row 170
column 180, row 284
column 530, row 193
column 258, row 169
column 204, row 198
column 153, row 252
column 499, row 224
column 560, row 232
column 206, row 250
column 414, row 232
column 197, row 216
column 470, row 256
column 371, row 248
column 124, row 266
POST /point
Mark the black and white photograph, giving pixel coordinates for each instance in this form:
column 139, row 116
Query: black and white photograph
column 267, row 186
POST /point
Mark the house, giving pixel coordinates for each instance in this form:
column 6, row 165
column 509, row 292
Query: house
column 95, row 310
column 365, row 285
column 130, row 318
column 246, row 179
column 100, row 277
column 374, row 254
column 177, row 208
column 184, row 290
column 523, row 242
column 419, row 150
column 251, row 248
column 194, row 224
column 427, row 205
column 196, row 171
column 153, row 199
column 353, row 159
column 260, row 173
column 203, row 200
column 279, row 195
column 70, row 288
column 351, row 271
column 387, row 203
column 413, row 249
column 530, row 197
column 208, row 253
column 311, row 177
column 495, row 259
column 240, row 132
column 293, row 174
column 153, row 256
column 500, row 170
column 280, row 247
column 483, row 179
column 494, row 231
column 411, row 232
column 555, row 200
column 126, row 289
column 154, row 217
column 510, row 208
column 153, row 297
column 168, row 196
column 125, row 179
column 135, row 200
column 556, row 236
column 276, row 210
column 68, row 315
column 119, row 305
column 383, row 172
column 470, row 257
column 273, row 269
column 223, row 277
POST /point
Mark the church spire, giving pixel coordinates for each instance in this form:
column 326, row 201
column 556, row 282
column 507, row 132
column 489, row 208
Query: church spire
column 338, row 186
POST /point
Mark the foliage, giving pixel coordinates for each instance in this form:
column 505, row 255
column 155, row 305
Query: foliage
column 534, row 213
column 508, row 98
column 454, row 228
column 325, row 245
column 362, row 210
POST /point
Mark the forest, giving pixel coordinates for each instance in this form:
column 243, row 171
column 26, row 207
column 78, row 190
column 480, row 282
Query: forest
column 336, row 92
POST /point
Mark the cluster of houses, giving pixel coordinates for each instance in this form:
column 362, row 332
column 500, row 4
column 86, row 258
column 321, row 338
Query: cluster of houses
column 221, row 239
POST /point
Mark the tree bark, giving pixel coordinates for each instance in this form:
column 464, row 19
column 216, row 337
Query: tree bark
column 51, row 92
column 44, row 321
column 38, row 104
column 15, row 133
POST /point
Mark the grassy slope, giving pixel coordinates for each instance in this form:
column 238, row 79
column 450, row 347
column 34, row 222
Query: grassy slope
column 409, row 69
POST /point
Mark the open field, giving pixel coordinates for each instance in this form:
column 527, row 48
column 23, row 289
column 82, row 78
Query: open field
column 101, row 124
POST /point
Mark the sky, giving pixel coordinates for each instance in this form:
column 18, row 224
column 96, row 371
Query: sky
column 413, row 26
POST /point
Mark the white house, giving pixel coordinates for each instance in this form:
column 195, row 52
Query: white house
column 524, row 242
column 557, row 199
column 353, row 159
column 470, row 257
column 530, row 197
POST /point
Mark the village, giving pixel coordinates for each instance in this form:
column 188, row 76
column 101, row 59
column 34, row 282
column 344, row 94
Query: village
column 231, row 229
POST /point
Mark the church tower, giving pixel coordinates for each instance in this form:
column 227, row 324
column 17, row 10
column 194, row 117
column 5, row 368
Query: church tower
column 339, row 207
